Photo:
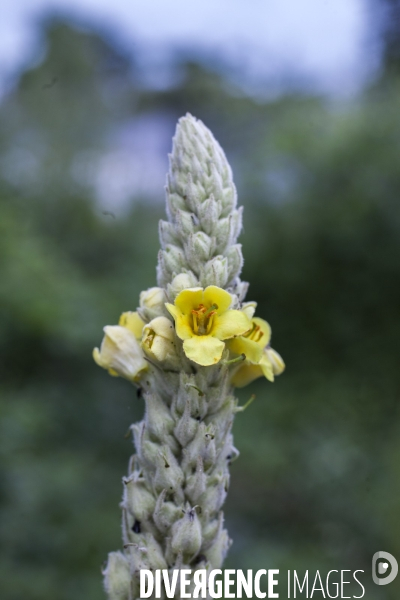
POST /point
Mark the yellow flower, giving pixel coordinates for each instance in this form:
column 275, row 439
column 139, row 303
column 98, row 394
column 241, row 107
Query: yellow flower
column 261, row 359
column 120, row 352
column 203, row 320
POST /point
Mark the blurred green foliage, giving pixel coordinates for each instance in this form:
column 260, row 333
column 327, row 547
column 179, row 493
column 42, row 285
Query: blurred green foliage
column 317, row 484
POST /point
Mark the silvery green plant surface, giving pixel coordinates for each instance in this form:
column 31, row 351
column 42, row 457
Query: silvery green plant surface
column 190, row 342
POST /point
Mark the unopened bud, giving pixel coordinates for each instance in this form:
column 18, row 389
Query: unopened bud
column 209, row 212
column 186, row 535
column 196, row 482
column 214, row 496
column 168, row 473
column 215, row 272
column 167, row 234
column 172, row 259
column 165, row 513
column 158, row 419
column 117, row 577
column 138, row 500
column 235, row 261
column 202, row 445
column 217, row 552
column 186, row 426
column 199, row 248
column 152, row 302
column 159, row 339
column 180, row 282
column 120, row 353
column 216, row 181
column 186, row 223
column 211, row 529
column 155, row 556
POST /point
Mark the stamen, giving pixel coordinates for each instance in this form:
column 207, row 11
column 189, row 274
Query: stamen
column 211, row 310
column 250, row 332
column 195, row 323
column 260, row 334
column 210, row 322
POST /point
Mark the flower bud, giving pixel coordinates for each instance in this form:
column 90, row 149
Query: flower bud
column 186, row 426
column 215, row 272
column 165, row 513
column 215, row 494
column 198, row 249
column 172, row 259
column 186, row 223
column 223, row 418
column 209, row 212
column 217, row 552
column 186, row 535
column 211, row 529
column 148, row 554
column 196, row 483
column 120, row 353
column 223, row 233
column 216, row 181
column 138, row 500
column 240, row 289
column 167, row 233
column 202, row 445
column 229, row 198
column 193, row 192
column 158, row 419
column 168, row 473
column 155, row 556
column 152, row 302
column 159, row 339
column 117, row 578
column 174, row 202
column 180, row 282
column 235, row 261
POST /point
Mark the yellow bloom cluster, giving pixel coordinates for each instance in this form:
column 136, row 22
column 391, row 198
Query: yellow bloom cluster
column 206, row 323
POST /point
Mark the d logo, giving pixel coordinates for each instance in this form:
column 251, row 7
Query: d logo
column 382, row 567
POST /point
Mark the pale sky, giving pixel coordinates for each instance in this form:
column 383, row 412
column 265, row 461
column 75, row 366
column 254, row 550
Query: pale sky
column 325, row 41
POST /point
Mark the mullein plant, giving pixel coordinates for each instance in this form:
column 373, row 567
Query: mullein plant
column 190, row 342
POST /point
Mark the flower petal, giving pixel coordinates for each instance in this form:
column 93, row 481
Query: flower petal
column 161, row 326
column 133, row 322
column 204, row 350
column 159, row 348
column 189, row 299
column 218, row 296
column 242, row 345
column 249, row 308
column 246, row 374
column 182, row 322
column 173, row 310
column 229, row 324
column 265, row 329
column 276, row 360
column 266, row 367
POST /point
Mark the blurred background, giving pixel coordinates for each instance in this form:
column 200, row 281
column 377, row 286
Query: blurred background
column 305, row 100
